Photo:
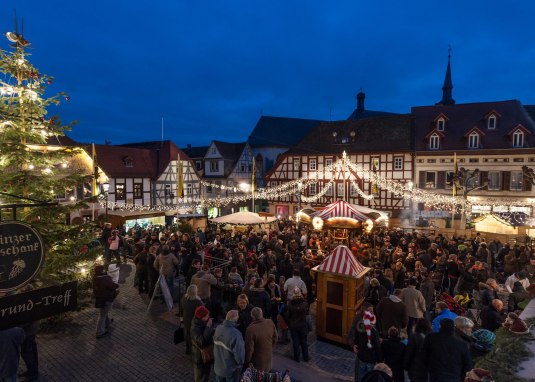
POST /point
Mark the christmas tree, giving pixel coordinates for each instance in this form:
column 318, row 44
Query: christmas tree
column 36, row 169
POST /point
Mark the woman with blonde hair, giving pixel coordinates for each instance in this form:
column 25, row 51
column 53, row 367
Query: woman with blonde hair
column 190, row 301
column 244, row 312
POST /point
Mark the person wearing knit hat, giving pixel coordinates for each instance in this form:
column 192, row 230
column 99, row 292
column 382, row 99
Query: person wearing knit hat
column 202, row 337
column 201, row 312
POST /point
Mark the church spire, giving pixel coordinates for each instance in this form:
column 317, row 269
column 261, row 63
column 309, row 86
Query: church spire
column 447, row 98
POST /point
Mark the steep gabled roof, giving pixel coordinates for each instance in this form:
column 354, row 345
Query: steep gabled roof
column 197, row 152
column 111, row 159
column 166, row 150
column 280, row 131
column 463, row 117
column 230, row 151
column 379, row 134
column 61, row 140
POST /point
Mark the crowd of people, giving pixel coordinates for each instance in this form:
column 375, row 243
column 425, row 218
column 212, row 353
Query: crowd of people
column 432, row 304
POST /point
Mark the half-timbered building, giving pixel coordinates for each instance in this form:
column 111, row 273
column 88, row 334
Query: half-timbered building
column 228, row 170
column 382, row 145
column 177, row 182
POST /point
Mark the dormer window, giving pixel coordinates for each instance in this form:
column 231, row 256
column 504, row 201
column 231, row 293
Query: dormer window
column 128, row 162
column 434, row 142
column 518, row 139
column 441, row 123
column 491, row 122
column 473, row 141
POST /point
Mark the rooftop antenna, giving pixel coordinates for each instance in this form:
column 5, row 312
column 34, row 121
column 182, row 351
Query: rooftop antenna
column 162, row 130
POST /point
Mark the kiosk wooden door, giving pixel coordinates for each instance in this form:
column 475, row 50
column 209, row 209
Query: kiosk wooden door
column 335, row 297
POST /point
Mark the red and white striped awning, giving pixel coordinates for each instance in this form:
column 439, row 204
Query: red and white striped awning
column 342, row 261
column 340, row 209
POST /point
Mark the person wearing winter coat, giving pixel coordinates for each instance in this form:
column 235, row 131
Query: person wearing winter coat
column 142, row 277
column 296, row 315
column 442, row 310
column 165, row 263
column 519, row 294
column 104, row 291
column 244, row 309
column 260, row 337
column 492, row 316
column 202, row 334
column 275, row 298
column 229, row 350
column 294, row 281
column 190, row 301
column 10, row 342
column 446, row 356
column 488, row 291
column 391, row 311
column 260, row 298
column 393, row 351
column 380, row 373
column 415, row 303
column 510, row 263
column 204, row 281
column 413, row 359
column 365, row 343
column 375, row 292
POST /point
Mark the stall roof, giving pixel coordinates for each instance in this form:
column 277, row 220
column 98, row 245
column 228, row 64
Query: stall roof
column 342, row 261
column 136, row 214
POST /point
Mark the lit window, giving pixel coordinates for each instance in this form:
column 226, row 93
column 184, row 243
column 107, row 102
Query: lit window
column 495, row 180
column 491, row 122
column 473, row 141
column 312, row 165
column 138, row 190
column 375, row 163
column 516, row 181
column 518, row 139
column 430, row 179
column 434, row 141
column 120, row 191
column 440, row 124
column 398, row 163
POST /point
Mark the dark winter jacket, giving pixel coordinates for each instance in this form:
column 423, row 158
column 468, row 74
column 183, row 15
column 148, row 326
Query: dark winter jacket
column 391, row 311
column 104, row 289
column 487, row 294
column 519, row 294
column 244, row 319
column 364, row 353
column 413, row 360
column 258, row 297
column 393, row 351
column 201, row 337
column 297, row 311
column 447, row 357
column 491, row 319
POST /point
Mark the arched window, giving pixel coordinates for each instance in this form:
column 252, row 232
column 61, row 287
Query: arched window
column 473, row 141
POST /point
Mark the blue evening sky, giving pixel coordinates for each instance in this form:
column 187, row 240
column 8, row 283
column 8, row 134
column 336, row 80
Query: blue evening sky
column 211, row 68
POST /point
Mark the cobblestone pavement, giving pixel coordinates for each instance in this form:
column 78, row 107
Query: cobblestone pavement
column 140, row 347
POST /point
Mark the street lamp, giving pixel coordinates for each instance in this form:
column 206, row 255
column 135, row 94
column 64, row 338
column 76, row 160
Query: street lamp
column 105, row 189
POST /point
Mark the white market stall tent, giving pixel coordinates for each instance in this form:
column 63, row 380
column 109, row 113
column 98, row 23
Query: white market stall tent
column 244, row 218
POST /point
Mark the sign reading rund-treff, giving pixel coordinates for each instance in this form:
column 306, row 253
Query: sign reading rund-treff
column 21, row 255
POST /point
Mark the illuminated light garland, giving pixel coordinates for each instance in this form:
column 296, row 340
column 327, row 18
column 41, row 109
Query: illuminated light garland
column 401, row 189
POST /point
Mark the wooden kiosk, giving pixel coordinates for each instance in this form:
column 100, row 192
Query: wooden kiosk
column 340, row 291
